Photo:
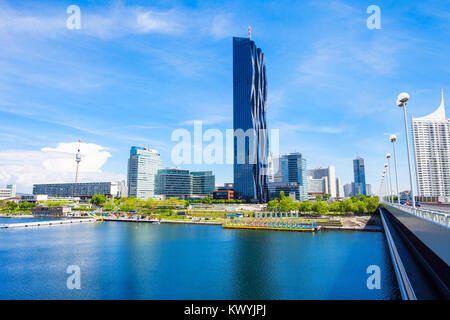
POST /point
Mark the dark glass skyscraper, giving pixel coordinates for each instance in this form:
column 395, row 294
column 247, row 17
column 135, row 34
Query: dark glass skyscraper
column 249, row 121
column 359, row 186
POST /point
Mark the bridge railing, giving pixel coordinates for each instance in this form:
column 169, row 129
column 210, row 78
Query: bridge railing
column 434, row 216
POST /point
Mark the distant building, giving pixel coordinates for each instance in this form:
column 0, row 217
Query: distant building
column 50, row 211
column 223, row 194
column 338, row 188
column 8, row 192
column 359, row 185
column 174, row 183
column 203, row 183
column 290, row 189
column 82, row 190
column 348, row 187
column 431, row 138
column 250, row 166
column 368, row 189
column 317, row 187
column 330, row 175
column 274, row 174
column 143, row 165
column 293, row 170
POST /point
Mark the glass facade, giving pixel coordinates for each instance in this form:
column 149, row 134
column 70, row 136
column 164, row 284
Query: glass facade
column 143, row 165
column 293, row 170
column 359, row 186
column 203, row 183
column 174, row 183
column 249, row 117
column 82, row 189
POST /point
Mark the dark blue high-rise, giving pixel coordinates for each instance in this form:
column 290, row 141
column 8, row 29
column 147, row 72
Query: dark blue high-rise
column 359, row 186
column 249, row 121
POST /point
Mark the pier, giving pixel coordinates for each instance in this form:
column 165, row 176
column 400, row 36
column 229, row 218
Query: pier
column 45, row 223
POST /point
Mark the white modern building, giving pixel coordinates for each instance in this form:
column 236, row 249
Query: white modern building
column 274, row 168
column 431, row 138
column 317, row 187
column 8, row 192
column 333, row 183
column 143, row 165
column 82, row 190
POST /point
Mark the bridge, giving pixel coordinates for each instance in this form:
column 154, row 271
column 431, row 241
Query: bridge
column 419, row 244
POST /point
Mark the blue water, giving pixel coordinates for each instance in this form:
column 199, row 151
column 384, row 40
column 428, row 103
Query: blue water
column 23, row 220
column 121, row 260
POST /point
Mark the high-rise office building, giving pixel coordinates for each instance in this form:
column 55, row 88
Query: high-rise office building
column 174, row 183
column 143, row 165
column 293, row 170
column 249, row 121
column 368, row 189
column 330, row 174
column 348, row 189
column 431, row 138
column 203, row 183
column 359, row 185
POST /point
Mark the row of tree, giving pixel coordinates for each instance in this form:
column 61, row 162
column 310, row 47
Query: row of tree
column 11, row 206
column 358, row 204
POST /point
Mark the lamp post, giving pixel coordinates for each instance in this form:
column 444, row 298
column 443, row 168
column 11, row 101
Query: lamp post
column 384, row 174
column 393, row 139
column 388, row 185
column 402, row 99
column 388, row 156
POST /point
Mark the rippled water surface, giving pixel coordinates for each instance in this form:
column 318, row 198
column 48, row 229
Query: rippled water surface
column 120, row 260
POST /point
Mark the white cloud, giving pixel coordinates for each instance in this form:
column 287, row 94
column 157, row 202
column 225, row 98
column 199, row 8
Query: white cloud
column 48, row 165
column 113, row 21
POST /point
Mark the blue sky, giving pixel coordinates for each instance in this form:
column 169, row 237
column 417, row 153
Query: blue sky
column 138, row 70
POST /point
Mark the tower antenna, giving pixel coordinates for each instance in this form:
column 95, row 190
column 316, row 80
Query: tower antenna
column 78, row 160
column 249, row 32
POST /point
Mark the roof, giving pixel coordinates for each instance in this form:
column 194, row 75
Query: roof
column 438, row 114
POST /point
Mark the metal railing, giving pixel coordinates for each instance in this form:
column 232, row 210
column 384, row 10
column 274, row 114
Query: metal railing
column 433, row 216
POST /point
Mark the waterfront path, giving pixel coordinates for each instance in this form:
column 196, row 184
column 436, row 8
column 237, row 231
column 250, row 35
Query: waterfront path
column 45, row 223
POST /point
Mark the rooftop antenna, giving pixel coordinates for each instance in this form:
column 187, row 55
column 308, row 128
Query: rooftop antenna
column 249, row 32
column 78, row 160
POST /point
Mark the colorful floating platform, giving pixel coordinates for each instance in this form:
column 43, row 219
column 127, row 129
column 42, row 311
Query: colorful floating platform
column 272, row 226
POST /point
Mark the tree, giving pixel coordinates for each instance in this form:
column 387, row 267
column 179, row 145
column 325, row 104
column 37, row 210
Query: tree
column 320, row 207
column 286, row 203
column 11, row 205
column 305, row 206
column 206, row 200
column 99, row 199
column 273, row 205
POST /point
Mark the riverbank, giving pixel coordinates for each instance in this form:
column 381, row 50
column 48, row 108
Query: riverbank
column 370, row 223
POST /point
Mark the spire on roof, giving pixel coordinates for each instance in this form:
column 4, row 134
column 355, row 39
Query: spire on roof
column 439, row 113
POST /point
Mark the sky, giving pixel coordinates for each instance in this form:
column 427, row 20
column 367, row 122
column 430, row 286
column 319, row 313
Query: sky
column 136, row 71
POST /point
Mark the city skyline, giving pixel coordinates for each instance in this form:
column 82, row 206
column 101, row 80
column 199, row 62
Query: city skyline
column 54, row 89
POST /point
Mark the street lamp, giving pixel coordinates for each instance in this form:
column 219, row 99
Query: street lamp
column 402, row 99
column 388, row 183
column 393, row 139
column 382, row 177
column 388, row 156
